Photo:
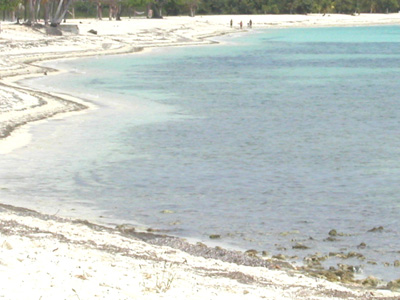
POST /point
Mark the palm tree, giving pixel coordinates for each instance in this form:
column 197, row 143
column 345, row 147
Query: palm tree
column 55, row 11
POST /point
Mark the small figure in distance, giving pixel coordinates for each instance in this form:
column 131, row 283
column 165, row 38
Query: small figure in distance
column 241, row 24
column 251, row 23
column 231, row 23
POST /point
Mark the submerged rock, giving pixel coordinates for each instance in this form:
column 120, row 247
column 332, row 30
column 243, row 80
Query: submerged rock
column 356, row 255
column 333, row 232
column 279, row 257
column 347, row 255
column 315, row 259
column 330, row 276
column 362, row 246
column 215, row 236
column 333, row 275
column 349, row 268
column 251, row 252
column 314, row 264
column 175, row 223
column 300, row 246
column 281, row 248
column 394, row 285
column 286, row 233
column 331, row 239
column 370, row 281
column 396, row 263
column 376, row 229
column 345, row 276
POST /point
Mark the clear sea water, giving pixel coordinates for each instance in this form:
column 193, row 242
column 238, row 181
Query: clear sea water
column 268, row 139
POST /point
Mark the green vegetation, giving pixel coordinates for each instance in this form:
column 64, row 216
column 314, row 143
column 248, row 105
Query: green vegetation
column 11, row 9
column 8, row 7
column 297, row 6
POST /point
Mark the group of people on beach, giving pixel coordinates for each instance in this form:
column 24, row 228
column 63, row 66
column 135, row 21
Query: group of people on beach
column 250, row 24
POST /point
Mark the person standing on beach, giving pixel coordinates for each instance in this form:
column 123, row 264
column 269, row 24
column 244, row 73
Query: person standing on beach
column 251, row 23
column 241, row 24
column 231, row 23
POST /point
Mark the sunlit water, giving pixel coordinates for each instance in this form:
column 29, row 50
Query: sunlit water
column 272, row 138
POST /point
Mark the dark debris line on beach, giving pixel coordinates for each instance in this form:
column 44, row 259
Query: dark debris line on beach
column 199, row 249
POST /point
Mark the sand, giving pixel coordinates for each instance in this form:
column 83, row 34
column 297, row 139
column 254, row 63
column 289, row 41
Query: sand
column 46, row 257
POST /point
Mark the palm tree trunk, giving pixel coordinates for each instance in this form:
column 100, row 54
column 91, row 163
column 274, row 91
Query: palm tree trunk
column 32, row 16
column 58, row 16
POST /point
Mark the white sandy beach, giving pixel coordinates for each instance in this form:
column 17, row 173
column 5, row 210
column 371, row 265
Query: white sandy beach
column 44, row 257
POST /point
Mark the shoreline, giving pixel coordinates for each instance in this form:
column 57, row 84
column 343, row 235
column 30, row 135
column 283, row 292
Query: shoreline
column 72, row 257
column 43, row 105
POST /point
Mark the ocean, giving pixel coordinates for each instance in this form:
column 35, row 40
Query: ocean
column 268, row 139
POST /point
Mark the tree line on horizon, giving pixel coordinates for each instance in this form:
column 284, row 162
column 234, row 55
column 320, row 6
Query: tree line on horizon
column 53, row 12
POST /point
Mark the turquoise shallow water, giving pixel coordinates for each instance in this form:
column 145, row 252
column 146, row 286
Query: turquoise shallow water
column 273, row 138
